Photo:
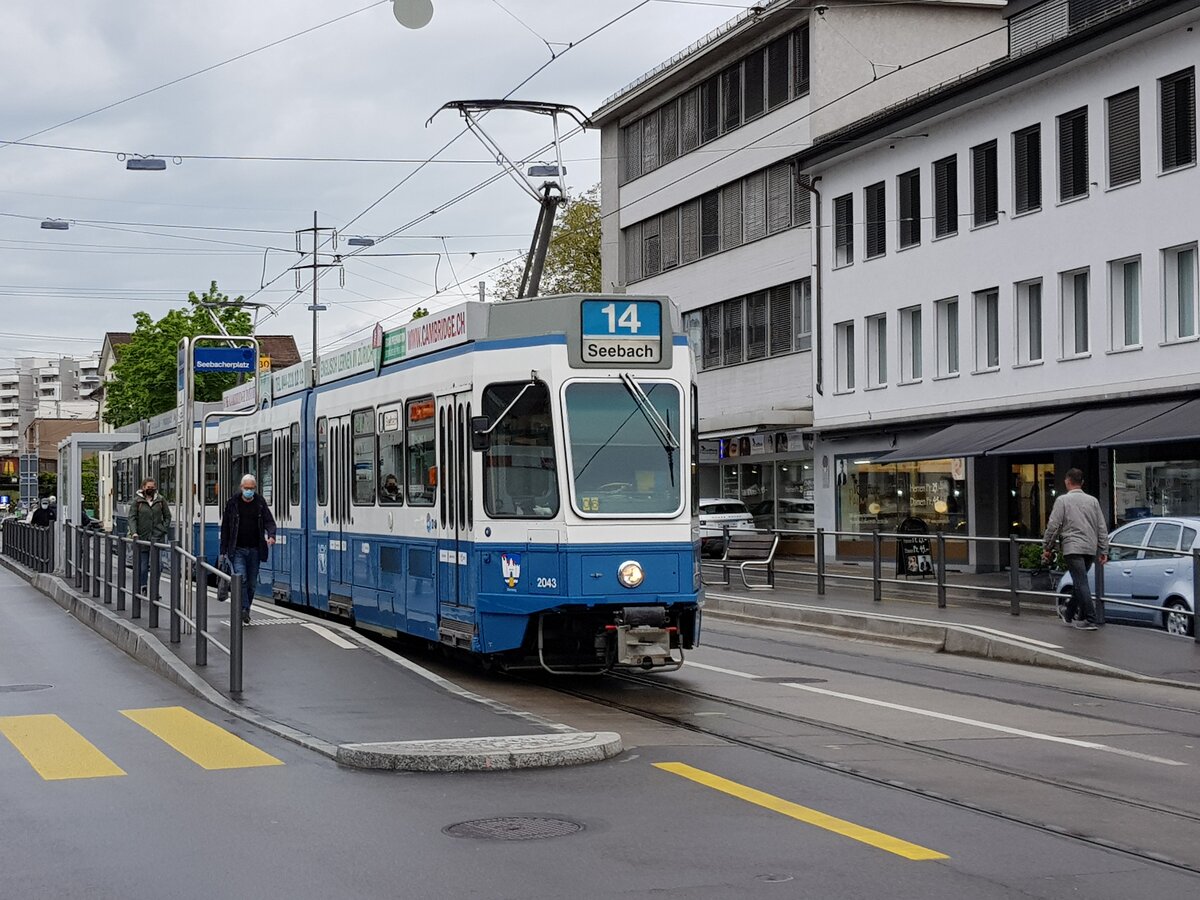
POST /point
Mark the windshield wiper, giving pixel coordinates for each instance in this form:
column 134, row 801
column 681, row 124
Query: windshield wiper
column 661, row 428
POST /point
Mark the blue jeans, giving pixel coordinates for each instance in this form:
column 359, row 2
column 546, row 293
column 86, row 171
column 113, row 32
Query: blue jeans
column 245, row 562
column 143, row 569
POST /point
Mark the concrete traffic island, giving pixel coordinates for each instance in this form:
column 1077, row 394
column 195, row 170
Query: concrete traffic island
column 533, row 751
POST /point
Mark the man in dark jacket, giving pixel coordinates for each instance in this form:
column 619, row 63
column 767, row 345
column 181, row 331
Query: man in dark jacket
column 149, row 520
column 247, row 534
column 42, row 517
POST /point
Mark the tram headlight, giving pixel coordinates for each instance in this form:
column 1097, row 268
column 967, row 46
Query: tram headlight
column 630, row 574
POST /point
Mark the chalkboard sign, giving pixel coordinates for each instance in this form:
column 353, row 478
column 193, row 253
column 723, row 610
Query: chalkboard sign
column 914, row 556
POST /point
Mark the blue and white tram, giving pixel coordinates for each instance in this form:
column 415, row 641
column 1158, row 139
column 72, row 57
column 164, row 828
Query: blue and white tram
column 516, row 480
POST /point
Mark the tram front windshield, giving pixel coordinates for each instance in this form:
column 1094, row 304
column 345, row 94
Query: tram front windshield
column 621, row 463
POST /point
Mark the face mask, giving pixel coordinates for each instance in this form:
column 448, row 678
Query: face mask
column 150, row 492
column 248, row 493
column 45, row 505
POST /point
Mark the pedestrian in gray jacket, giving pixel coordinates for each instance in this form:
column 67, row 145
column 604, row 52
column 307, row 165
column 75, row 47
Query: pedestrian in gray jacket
column 149, row 520
column 1078, row 523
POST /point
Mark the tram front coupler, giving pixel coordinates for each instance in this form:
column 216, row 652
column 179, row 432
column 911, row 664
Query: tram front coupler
column 641, row 639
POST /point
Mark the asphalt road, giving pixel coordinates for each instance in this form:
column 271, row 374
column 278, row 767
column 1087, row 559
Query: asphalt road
column 220, row 809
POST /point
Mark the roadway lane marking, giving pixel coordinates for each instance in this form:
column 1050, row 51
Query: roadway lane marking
column 56, row 751
column 207, row 745
column 821, row 820
column 947, row 717
column 334, row 639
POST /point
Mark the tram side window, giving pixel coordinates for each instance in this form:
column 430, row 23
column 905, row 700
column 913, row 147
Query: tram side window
column 152, row 471
column 294, row 466
column 249, row 458
column 322, row 452
column 211, row 485
column 364, row 457
column 519, row 469
column 166, row 483
column 419, row 432
column 391, row 458
column 266, row 466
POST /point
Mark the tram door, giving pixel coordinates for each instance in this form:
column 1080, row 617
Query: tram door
column 339, row 568
column 455, row 518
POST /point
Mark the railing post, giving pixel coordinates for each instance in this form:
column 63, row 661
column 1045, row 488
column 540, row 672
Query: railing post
column 154, row 585
column 941, row 570
column 1195, row 593
column 201, row 613
column 1098, row 600
column 1014, row 574
column 821, row 562
column 106, row 544
column 81, row 555
column 121, row 575
column 235, row 635
column 876, row 566
column 97, row 570
column 176, row 590
column 136, row 593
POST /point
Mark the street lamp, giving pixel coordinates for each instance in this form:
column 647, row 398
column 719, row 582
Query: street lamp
column 361, row 242
column 413, row 13
column 145, row 164
column 55, row 224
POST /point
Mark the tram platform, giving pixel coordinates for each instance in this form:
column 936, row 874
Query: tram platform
column 333, row 690
column 969, row 625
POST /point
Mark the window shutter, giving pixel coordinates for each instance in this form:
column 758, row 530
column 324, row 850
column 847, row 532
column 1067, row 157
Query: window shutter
column 689, row 231
column 710, row 223
column 800, row 52
column 632, row 150
column 779, row 197
column 731, row 215
column 669, row 238
column 731, row 98
column 843, row 230
column 652, row 257
column 756, row 206
column 668, row 137
column 633, row 253
column 983, row 162
column 1124, row 138
column 875, row 208
column 1027, row 168
column 777, row 72
column 710, row 109
column 756, row 326
column 804, row 314
column 909, row 190
column 689, row 121
column 711, row 355
column 1178, row 119
column 650, row 143
column 733, row 315
column 1072, row 154
column 781, row 319
column 945, row 196
column 801, row 199
column 756, row 100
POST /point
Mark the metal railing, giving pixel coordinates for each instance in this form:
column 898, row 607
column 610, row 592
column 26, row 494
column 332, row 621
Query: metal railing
column 109, row 568
column 1008, row 556
column 30, row 545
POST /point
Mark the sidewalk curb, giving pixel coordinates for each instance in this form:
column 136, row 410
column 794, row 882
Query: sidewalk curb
column 943, row 637
column 565, row 748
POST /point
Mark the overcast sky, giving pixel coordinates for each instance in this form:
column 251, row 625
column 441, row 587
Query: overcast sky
column 360, row 87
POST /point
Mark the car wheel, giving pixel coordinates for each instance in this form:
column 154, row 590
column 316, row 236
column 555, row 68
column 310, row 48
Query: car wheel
column 1177, row 620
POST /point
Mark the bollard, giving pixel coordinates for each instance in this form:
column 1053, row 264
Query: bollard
column 821, row 562
column 941, row 570
column 121, row 575
column 1014, row 574
column 1098, row 600
column 106, row 544
column 176, row 590
column 201, row 613
column 876, row 566
column 235, row 635
column 154, row 586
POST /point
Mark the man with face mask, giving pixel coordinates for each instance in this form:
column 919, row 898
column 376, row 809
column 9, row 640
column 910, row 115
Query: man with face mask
column 41, row 515
column 247, row 534
column 149, row 520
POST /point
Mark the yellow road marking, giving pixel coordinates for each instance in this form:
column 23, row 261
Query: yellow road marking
column 803, row 813
column 207, row 745
column 56, row 751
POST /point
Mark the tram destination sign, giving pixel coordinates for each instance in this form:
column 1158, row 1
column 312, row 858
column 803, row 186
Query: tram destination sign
column 622, row 331
column 225, row 359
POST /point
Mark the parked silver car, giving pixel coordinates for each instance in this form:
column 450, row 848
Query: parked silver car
column 1158, row 573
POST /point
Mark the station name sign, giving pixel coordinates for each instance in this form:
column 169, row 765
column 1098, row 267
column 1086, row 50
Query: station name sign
column 621, row 331
column 225, row 359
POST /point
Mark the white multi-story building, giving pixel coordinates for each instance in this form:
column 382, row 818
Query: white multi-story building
column 701, row 201
column 1009, row 282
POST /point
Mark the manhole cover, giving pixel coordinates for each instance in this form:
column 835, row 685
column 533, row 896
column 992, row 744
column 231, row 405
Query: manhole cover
column 21, row 688
column 513, row 828
column 790, row 679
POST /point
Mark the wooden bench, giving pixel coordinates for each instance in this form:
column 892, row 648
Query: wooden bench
column 750, row 549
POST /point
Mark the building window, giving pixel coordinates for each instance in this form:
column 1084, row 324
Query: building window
column 987, row 330
column 777, row 71
column 910, row 344
column 756, row 326
column 1073, row 288
column 947, row 331
column 755, row 206
column 689, row 121
column 689, row 232
column 882, row 495
column 945, row 196
column 908, row 194
column 710, row 109
column 651, row 247
column 712, row 336
column 1124, row 138
column 984, row 189
column 844, row 349
column 1073, row 154
column 800, row 56
column 631, row 151
column 1125, row 312
column 668, row 132
column 731, row 216
column 668, row 238
column 710, row 223
column 745, row 329
column 779, row 197
column 1027, row 168
column 650, row 142
column 877, row 366
column 1177, row 97
column 755, row 98
column 731, row 98
column 633, row 253
column 804, row 313
column 734, row 317
column 843, row 230
column 875, row 225
column 1179, row 270
column 1029, row 322
column 781, row 319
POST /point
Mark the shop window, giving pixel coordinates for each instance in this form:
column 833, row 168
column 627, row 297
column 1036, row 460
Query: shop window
column 1153, row 481
column 1032, row 490
column 884, row 495
column 1125, row 310
column 1179, row 271
column 1029, row 321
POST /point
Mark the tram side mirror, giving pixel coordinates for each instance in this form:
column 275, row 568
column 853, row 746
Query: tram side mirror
column 480, row 438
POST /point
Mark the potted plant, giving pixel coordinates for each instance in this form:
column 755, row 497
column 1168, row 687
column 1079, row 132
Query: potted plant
column 1036, row 575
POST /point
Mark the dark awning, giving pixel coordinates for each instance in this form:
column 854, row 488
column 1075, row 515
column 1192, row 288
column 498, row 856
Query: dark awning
column 972, row 438
column 1087, row 428
column 1180, row 424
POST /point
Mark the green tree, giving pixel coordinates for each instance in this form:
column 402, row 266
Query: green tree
column 573, row 260
column 143, row 382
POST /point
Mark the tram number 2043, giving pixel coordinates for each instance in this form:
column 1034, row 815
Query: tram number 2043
column 547, row 584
